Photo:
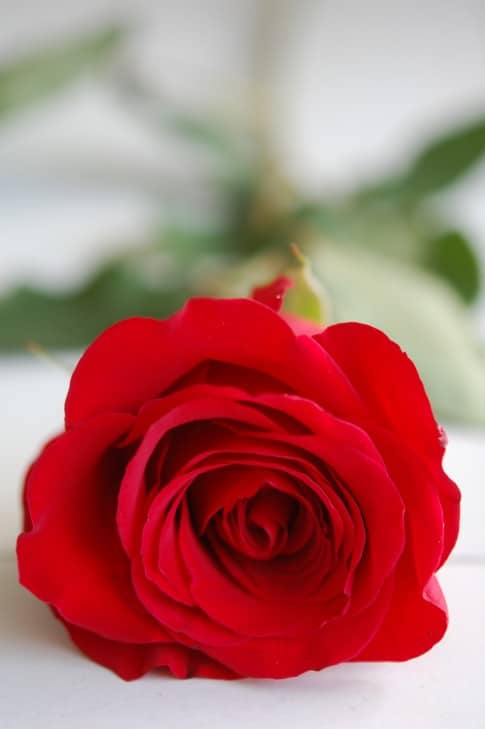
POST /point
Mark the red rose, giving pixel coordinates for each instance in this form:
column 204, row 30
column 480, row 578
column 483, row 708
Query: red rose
column 232, row 499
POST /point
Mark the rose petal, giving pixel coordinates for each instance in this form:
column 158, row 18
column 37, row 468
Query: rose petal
column 418, row 483
column 132, row 660
column 229, row 605
column 138, row 359
column 450, row 502
column 417, row 619
column 132, row 496
column 191, row 622
column 387, row 381
column 308, row 575
column 71, row 556
column 162, row 518
column 352, row 455
column 337, row 641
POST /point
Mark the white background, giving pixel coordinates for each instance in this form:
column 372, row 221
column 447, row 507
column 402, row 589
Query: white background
column 357, row 83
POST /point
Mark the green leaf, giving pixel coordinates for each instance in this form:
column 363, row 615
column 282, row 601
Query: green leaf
column 445, row 160
column 383, row 228
column 121, row 289
column 437, row 166
column 418, row 237
column 451, row 256
column 35, row 77
column 153, row 278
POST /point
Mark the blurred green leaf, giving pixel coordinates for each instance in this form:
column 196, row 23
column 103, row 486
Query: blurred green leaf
column 437, row 166
column 445, row 160
column 394, row 218
column 382, row 228
column 414, row 237
column 153, row 279
column 451, row 256
column 72, row 320
column 423, row 315
column 34, row 77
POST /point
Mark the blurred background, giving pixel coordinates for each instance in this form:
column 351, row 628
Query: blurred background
column 151, row 151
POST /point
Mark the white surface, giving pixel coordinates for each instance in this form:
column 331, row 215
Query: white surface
column 356, row 89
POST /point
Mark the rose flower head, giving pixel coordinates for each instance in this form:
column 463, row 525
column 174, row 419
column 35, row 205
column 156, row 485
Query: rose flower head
column 237, row 493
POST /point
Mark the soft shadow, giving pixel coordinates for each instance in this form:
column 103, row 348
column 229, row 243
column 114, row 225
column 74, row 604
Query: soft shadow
column 25, row 622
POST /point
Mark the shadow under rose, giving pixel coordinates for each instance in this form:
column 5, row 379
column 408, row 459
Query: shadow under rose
column 26, row 623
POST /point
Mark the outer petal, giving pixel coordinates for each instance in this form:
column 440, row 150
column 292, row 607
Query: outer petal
column 387, row 381
column 416, row 620
column 132, row 660
column 121, row 369
column 450, row 501
column 71, row 557
column 335, row 642
column 432, row 502
column 138, row 359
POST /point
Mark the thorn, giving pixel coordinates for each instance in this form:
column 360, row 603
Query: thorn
column 297, row 254
column 37, row 350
